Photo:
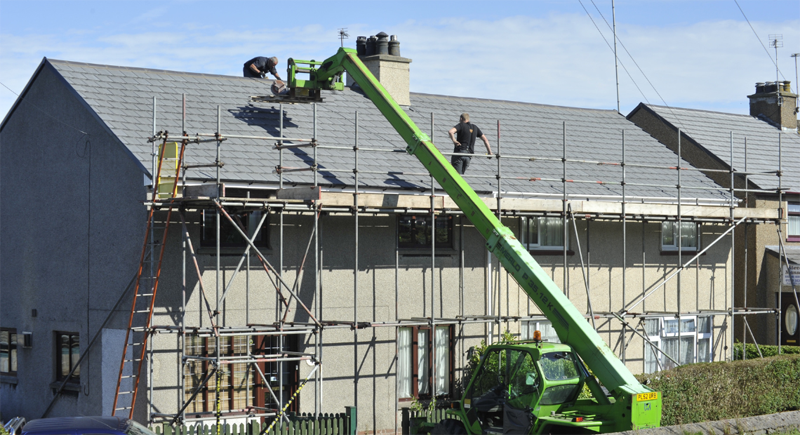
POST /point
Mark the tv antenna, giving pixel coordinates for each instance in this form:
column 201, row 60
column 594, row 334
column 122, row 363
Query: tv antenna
column 776, row 42
column 343, row 35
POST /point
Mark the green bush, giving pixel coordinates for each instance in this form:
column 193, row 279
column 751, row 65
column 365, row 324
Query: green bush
column 766, row 350
column 716, row 391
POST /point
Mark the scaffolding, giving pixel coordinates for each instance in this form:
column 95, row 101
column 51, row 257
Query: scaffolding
column 630, row 321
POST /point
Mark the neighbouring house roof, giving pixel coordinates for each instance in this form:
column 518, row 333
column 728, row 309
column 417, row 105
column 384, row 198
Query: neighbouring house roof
column 123, row 99
column 792, row 252
column 712, row 131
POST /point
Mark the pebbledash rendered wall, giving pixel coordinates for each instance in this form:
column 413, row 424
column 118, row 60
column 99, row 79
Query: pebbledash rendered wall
column 359, row 368
column 72, row 223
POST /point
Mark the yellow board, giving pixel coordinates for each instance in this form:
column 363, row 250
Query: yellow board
column 169, row 166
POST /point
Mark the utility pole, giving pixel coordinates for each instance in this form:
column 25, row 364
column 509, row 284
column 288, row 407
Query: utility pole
column 616, row 59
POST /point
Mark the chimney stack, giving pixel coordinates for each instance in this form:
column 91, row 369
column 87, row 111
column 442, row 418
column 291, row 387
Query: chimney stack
column 381, row 55
column 775, row 102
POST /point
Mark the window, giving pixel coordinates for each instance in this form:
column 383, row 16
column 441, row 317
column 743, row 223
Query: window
column 543, row 233
column 687, row 340
column 414, row 361
column 241, row 384
column 229, row 236
column 793, row 230
column 543, row 326
column 67, row 353
column 8, row 352
column 688, row 236
column 414, row 232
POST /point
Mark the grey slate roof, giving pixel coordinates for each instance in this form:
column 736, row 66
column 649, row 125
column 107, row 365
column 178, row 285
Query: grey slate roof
column 712, row 130
column 792, row 252
column 123, row 98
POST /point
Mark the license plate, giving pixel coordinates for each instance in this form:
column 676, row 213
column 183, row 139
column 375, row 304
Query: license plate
column 646, row 396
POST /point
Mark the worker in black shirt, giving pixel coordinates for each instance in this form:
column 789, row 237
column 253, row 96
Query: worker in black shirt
column 463, row 136
column 260, row 66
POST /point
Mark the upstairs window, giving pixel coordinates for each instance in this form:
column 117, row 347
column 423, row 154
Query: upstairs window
column 545, row 327
column 688, row 237
column 542, row 233
column 414, row 231
column 229, row 236
column 793, row 230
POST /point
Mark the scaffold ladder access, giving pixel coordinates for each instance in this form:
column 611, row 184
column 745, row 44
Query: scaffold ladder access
column 170, row 158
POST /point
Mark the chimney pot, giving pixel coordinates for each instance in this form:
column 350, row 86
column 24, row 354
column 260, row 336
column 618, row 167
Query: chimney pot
column 759, row 87
column 371, row 42
column 394, row 46
column 382, row 47
column 361, row 45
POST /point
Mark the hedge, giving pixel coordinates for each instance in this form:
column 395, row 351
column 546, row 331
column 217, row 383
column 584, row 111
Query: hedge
column 766, row 350
column 696, row 393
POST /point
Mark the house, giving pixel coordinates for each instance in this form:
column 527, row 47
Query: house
column 763, row 151
column 384, row 286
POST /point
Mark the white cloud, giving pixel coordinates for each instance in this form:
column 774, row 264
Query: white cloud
column 557, row 59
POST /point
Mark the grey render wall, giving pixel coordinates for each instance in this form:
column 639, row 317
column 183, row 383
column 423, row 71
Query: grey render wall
column 359, row 367
column 72, row 221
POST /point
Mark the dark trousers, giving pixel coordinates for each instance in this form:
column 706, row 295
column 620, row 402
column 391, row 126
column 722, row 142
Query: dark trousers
column 249, row 73
column 460, row 163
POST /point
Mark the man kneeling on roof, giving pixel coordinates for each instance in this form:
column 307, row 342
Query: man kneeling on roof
column 258, row 67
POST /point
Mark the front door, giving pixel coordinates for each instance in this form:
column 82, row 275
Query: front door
column 790, row 320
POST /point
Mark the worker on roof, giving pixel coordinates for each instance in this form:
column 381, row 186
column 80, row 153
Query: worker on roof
column 463, row 136
column 260, row 66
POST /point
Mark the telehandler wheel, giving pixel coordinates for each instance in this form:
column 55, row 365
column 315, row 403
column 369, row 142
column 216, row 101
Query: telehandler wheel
column 449, row 427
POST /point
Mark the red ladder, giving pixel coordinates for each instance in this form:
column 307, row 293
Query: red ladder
column 133, row 354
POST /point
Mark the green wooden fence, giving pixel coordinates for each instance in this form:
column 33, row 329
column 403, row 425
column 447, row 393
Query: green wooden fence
column 412, row 419
column 300, row 424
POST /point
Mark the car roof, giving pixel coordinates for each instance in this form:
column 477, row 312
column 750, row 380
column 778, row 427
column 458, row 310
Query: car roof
column 66, row 425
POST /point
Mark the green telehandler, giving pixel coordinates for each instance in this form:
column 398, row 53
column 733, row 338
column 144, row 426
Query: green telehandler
column 526, row 387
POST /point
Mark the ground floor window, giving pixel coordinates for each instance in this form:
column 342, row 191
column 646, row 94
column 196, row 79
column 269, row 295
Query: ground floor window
column 686, row 340
column 242, row 387
column 415, row 361
column 543, row 326
column 67, row 353
column 8, row 351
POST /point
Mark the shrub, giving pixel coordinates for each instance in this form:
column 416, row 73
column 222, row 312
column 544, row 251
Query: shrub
column 766, row 350
column 722, row 390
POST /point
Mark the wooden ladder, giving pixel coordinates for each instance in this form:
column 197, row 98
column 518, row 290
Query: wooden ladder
column 147, row 277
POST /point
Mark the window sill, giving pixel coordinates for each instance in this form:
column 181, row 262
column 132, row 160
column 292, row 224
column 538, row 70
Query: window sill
column 413, row 252
column 227, row 251
column 550, row 252
column 8, row 379
column 71, row 387
column 683, row 252
column 793, row 239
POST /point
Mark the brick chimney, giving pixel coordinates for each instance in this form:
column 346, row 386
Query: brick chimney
column 381, row 55
column 774, row 102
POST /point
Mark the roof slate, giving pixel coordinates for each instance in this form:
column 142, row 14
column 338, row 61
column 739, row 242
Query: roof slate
column 712, row 130
column 529, row 135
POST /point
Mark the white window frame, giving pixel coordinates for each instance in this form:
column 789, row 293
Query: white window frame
column 537, row 245
column 543, row 326
column 673, row 246
column 663, row 335
column 793, row 221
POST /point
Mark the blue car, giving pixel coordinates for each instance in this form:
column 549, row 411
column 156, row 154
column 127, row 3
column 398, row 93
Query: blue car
column 84, row 425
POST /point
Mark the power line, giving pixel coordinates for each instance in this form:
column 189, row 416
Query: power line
column 638, row 67
column 759, row 39
column 610, row 48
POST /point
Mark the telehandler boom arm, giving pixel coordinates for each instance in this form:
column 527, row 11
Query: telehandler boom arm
column 570, row 325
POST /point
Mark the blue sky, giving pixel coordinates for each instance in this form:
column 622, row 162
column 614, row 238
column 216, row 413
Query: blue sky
column 696, row 54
